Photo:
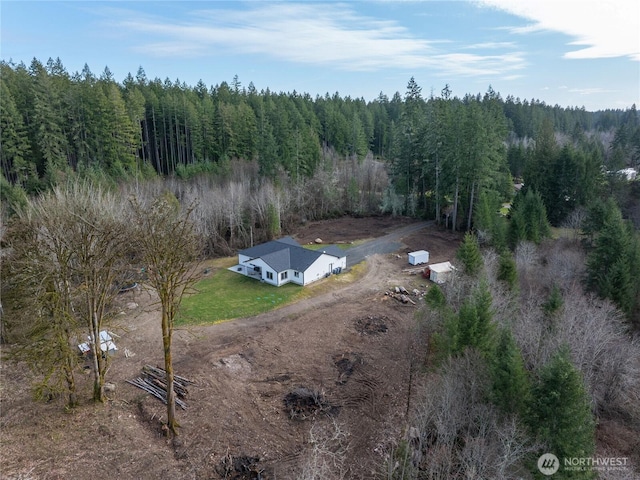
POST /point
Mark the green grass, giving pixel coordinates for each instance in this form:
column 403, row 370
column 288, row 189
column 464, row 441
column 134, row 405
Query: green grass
column 226, row 295
column 318, row 246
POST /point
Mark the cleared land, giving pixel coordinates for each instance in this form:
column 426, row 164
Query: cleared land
column 344, row 342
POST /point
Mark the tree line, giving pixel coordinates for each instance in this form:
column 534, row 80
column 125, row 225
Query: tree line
column 56, row 124
column 247, row 166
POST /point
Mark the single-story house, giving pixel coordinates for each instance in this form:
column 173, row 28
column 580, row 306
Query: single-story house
column 440, row 272
column 284, row 260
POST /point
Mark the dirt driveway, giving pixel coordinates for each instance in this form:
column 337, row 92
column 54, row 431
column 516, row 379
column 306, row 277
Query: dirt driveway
column 247, row 408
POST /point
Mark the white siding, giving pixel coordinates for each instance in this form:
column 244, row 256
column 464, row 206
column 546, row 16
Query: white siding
column 258, row 262
column 325, row 264
column 322, row 266
column 299, row 279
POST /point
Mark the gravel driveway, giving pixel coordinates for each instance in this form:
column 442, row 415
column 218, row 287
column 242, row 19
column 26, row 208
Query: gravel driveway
column 386, row 244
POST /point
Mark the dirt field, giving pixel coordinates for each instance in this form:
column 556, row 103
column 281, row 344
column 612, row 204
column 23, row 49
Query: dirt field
column 336, row 361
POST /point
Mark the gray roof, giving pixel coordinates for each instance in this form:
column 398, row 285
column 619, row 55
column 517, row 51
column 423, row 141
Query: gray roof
column 287, row 254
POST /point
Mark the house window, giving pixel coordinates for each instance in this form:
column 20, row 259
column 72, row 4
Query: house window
column 296, row 274
column 269, row 275
column 283, row 276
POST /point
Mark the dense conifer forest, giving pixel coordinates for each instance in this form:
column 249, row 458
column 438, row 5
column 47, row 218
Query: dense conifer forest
column 439, row 149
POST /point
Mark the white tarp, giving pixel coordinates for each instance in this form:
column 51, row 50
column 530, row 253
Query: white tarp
column 106, row 343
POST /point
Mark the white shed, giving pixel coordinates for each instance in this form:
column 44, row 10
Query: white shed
column 440, row 272
column 418, row 257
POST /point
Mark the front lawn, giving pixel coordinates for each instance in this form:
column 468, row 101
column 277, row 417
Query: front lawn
column 224, row 295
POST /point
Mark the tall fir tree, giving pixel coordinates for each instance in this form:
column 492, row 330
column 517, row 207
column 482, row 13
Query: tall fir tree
column 560, row 414
column 469, row 255
column 511, row 387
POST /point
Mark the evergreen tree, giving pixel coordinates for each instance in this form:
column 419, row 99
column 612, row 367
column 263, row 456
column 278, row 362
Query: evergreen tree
column 435, row 298
column 47, row 125
column 14, row 143
column 554, row 302
column 490, row 225
column 607, row 264
column 472, row 326
column 507, row 270
column 511, row 389
column 469, row 255
column 560, row 415
column 538, row 170
column 529, row 219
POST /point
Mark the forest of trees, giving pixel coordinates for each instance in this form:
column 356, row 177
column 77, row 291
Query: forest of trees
column 441, row 152
column 249, row 166
column 257, row 163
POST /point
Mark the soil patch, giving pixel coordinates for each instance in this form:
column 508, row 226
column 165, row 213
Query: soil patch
column 372, row 325
column 243, row 370
column 242, row 467
column 346, row 363
column 304, row 402
column 349, row 229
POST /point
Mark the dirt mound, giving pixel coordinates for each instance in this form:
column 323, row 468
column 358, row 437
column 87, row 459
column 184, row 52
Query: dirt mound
column 346, row 363
column 372, row 325
column 242, row 467
column 303, row 403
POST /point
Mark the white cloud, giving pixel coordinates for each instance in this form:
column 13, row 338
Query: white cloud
column 329, row 34
column 466, row 64
column 590, row 91
column 601, row 28
column 490, row 45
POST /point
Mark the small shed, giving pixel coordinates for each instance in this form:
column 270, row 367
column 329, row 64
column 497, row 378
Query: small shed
column 440, row 272
column 418, row 257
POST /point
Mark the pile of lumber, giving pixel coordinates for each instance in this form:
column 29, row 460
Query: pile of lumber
column 154, row 381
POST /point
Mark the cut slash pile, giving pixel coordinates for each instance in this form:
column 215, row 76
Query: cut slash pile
column 154, row 381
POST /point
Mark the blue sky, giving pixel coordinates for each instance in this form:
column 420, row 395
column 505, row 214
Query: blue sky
column 565, row 52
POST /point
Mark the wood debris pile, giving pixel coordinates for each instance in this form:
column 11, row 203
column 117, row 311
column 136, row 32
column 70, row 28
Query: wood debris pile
column 303, row 402
column 403, row 295
column 240, row 468
column 154, row 381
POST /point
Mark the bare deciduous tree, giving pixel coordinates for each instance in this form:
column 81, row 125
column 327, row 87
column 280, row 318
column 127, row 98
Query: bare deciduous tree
column 328, row 446
column 74, row 252
column 170, row 248
column 463, row 436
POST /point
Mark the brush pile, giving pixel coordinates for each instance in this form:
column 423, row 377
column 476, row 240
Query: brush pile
column 154, row 381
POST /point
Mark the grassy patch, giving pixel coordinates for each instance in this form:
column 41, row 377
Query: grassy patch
column 225, row 295
column 319, row 246
column 562, row 232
